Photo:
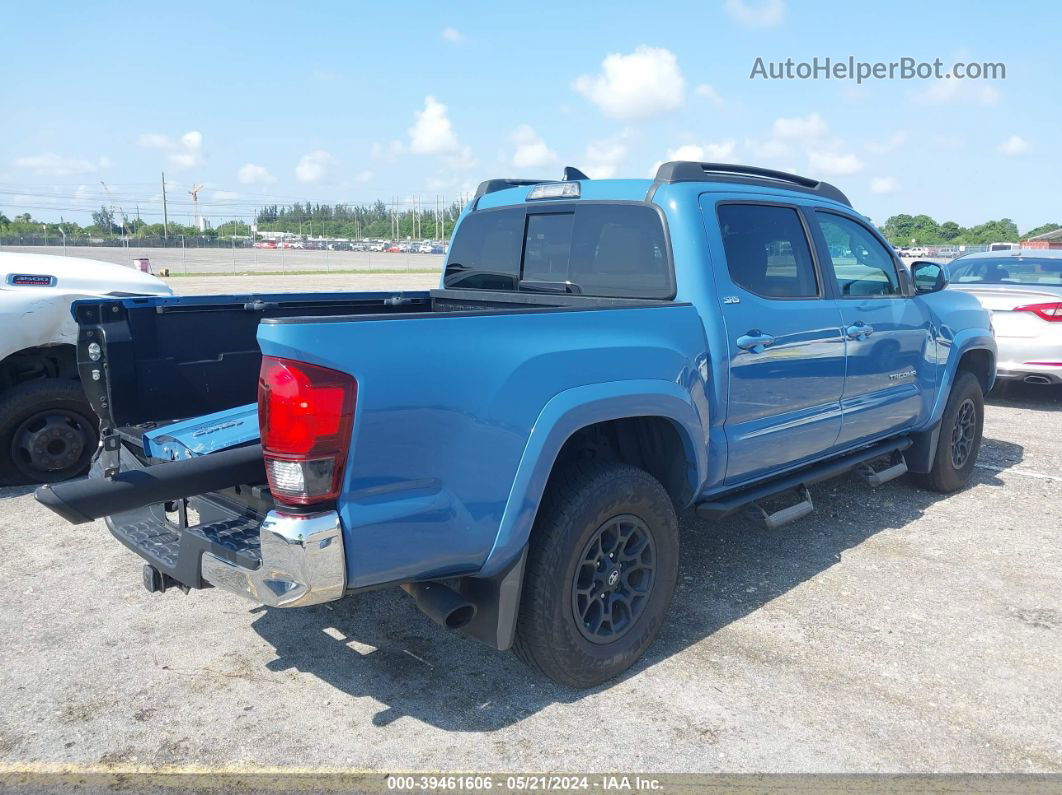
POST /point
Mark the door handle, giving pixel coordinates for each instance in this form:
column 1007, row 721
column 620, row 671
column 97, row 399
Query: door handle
column 755, row 341
column 859, row 331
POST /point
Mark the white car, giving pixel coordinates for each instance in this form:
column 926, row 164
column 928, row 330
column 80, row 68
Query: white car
column 424, row 248
column 1023, row 290
column 48, row 432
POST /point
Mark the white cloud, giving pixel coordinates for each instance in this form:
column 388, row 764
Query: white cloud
column 723, row 151
column 943, row 91
column 706, row 91
column 453, row 35
column 603, row 157
column 53, row 165
column 363, row 176
column 314, row 166
column 185, row 152
column 531, row 150
column 105, row 162
column 154, row 141
column 890, row 144
column 800, row 127
column 833, row 163
column 1015, row 145
column 638, row 85
column 753, row 14
column 432, row 132
column 251, row 174
column 225, row 195
column 771, row 149
column 883, row 184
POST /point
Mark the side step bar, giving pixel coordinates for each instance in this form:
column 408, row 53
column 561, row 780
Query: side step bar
column 897, row 467
column 723, row 506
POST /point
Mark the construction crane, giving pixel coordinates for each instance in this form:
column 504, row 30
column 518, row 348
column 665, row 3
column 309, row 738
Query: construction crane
column 111, row 197
column 194, row 192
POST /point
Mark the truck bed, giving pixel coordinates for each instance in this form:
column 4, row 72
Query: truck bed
column 169, row 358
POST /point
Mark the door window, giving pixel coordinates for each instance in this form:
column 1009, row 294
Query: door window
column 767, row 251
column 863, row 267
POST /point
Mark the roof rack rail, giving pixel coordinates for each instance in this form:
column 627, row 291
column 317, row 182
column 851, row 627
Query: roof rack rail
column 501, row 183
column 689, row 171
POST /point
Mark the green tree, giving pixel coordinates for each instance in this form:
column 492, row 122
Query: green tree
column 103, row 219
column 1002, row 230
column 1040, row 230
column 949, row 230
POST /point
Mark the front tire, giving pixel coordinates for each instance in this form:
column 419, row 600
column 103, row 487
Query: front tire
column 959, row 442
column 601, row 571
column 48, row 432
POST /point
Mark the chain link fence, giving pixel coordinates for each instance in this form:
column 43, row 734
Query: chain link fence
column 207, row 255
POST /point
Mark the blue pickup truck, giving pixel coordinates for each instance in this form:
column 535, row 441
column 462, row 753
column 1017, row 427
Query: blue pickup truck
column 513, row 447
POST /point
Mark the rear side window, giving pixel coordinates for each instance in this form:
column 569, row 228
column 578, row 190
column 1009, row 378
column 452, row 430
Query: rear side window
column 609, row 250
column 485, row 254
column 767, row 251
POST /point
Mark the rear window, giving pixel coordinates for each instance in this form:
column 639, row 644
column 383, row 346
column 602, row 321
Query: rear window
column 485, row 254
column 610, row 250
column 1008, row 270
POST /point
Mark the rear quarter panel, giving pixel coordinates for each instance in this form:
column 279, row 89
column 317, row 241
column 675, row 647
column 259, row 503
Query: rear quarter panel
column 459, row 415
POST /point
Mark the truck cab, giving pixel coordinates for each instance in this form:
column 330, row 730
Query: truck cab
column 514, row 447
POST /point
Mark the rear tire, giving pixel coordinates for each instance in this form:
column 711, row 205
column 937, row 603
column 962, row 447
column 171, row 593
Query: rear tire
column 959, row 442
column 48, row 432
column 603, row 528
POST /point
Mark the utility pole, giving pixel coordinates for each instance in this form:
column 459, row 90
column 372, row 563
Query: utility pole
column 165, row 216
column 194, row 192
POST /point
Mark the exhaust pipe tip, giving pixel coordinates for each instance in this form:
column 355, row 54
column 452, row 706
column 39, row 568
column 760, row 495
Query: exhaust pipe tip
column 442, row 604
column 1037, row 379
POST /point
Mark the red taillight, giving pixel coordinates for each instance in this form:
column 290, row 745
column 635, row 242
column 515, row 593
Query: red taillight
column 1052, row 313
column 305, row 414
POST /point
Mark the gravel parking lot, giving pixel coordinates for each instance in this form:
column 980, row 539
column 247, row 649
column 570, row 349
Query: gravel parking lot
column 893, row 630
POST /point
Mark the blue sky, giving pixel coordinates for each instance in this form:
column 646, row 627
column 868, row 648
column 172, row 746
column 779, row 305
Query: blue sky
column 347, row 102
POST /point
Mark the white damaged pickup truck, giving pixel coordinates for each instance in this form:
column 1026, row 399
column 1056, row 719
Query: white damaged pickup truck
column 48, row 432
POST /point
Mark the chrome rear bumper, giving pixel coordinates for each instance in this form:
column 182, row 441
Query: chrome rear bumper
column 303, row 562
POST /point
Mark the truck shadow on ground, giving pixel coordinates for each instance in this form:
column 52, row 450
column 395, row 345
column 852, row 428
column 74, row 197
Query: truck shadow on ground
column 378, row 645
column 1018, row 395
column 9, row 492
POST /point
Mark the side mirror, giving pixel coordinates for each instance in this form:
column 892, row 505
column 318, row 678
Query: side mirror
column 929, row 277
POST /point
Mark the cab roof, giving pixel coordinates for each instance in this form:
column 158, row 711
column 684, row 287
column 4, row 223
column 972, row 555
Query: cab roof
column 508, row 191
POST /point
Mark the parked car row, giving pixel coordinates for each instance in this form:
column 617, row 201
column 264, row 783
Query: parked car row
column 373, row 246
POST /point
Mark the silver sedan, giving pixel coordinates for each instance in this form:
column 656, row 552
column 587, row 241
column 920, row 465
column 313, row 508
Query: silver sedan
column 1023, row 290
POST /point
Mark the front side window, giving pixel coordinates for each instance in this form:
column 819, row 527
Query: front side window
column 863, row 267
column 767, row 251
